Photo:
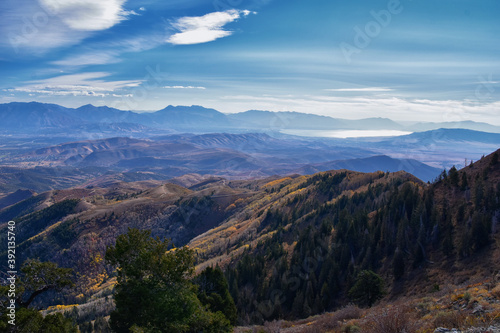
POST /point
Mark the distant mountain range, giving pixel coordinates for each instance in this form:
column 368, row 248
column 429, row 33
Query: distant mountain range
column 44, row 119
column 295, row 120
column 38, row 118
column 47, row 146
column 466, row 124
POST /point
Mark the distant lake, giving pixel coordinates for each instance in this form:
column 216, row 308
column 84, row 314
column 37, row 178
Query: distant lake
column 344, row 134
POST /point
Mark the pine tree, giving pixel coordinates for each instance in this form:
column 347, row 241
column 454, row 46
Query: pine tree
column 480, row 231
column 453, row 176
column 298, row 304
column 494, row 159
column 448, row 240
column 213, row 291
column 368, row 288
column 478, row 194
column 398, row 264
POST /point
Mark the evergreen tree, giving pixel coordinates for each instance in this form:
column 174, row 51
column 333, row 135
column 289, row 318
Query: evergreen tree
column 213, row 291
column 448, row 239
column 453, row 176
column 154, row 292
column 398, row 265
column 298, row 304
column 480, row 232
column 494, row 159
column 443, row 176
column 465, row 185
column 478, row 194
column 368, row 288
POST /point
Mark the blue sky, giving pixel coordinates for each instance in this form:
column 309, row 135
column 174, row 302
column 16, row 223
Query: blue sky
column 406, row 60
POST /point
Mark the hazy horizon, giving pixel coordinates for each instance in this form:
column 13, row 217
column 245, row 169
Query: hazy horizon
column 409, row 122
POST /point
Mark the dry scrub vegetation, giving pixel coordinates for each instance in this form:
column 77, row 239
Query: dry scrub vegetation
column 473, row 306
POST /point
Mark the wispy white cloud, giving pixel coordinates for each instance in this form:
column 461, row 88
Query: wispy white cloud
column 89, row 15
column 395, row 108
column 134, row 44
column 38, row 26
column 84, row 84
column 87, row 79
column 369, row 89
column 91, row 93
column 206, row 28
column 91, row 58
column 110, row 52
column 18, row 32
column 184, row 87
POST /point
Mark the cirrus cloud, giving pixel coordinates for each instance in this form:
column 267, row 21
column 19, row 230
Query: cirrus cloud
column 83, row 84
column 369, row 89
column 89, row 15
column 34, row 27
column 184, row 87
